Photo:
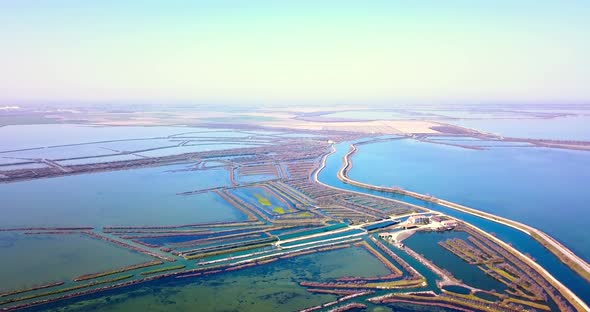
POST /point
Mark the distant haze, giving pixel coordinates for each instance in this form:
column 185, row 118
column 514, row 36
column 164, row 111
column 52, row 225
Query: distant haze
column 287, row 51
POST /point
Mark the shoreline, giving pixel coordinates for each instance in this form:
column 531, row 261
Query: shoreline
column 534, row 233
column 581, row 267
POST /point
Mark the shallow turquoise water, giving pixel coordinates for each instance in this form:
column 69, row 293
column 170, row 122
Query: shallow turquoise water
column 270, row 287
column 29, row 260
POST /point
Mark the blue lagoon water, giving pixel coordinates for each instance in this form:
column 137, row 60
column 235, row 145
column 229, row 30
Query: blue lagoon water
column 132, row 197
column 519, row 240
column 542, row 187
column 88, row 140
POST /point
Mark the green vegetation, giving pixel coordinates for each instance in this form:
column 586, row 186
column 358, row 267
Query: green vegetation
column 502, row 273
column 278, row 210
column 468, row 296
column 262, row 200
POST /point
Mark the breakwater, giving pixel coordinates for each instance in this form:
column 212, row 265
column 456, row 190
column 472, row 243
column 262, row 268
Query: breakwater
column 557, row 294
column 120, row 270
column 172, row 268
column 125, row 245
column 408, row 268
column 63, row 290
column 24, row 290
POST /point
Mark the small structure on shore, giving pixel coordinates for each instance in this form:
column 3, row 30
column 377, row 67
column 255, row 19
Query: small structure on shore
column 386, row 235
column 449, row 224
column 418, row 220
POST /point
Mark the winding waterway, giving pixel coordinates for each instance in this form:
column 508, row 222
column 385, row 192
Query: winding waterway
column 519, row 240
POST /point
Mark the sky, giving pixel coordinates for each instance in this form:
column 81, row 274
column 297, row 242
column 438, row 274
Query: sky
column 275, row 51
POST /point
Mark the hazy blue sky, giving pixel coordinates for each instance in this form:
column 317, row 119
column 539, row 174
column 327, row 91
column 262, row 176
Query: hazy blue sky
column 297, row 50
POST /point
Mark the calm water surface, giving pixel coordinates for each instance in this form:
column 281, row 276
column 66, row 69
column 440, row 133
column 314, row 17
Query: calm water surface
column 131, row 197
column 270, row 287
column 560, row 128
column 427, row 245
column 519, row 240
column 545, row 188
column 28, row 260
